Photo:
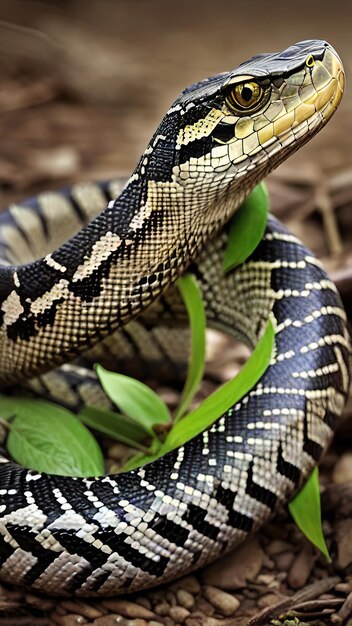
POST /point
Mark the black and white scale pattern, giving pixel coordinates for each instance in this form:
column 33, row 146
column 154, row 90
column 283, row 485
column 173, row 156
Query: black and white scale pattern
column 122, row 533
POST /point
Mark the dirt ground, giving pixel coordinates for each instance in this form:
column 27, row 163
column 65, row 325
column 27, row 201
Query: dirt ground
column 83, row 85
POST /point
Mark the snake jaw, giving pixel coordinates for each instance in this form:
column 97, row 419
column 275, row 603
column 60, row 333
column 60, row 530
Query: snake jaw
column 333, row 93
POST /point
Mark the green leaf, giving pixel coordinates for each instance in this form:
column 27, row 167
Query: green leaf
column 192, row 298
column 306, row 511
column 47, row 438
column 247, row 228
column 115, row 425
column 226, row 396
column 218, row 402
column 135, row 399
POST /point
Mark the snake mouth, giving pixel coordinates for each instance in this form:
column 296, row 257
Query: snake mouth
column 328, row 82
column 315, row 99
column 329, row 95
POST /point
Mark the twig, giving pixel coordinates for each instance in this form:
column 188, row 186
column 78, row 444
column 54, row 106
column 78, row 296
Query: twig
column 316, row 605
column 345, row 612
column 324, row 204
column 304, row 595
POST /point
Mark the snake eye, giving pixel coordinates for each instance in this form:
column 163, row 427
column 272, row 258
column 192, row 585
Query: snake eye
column 244, row 97
column 310, row 61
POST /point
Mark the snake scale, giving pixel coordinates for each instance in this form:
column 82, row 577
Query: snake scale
column 122, row 533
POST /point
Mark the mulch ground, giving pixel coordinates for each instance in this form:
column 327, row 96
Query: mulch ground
column 67, row 116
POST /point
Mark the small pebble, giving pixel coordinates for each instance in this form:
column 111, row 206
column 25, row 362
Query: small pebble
column 284, row 561
column 178, row 613
column 222, row 601
column 128, row 609
column 277, row 546
column 265, row 579
column 162, row 609
column 301, row 568
column 185, row 599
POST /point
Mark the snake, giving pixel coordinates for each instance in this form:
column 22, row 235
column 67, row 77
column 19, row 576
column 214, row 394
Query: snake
column 93, row 268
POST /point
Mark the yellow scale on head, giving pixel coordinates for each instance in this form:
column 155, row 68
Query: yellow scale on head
column 259, row 112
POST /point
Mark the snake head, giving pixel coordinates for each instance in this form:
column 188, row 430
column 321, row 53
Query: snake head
column 241, row 124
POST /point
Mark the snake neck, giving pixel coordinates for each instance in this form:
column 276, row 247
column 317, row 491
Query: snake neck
column 127, row 256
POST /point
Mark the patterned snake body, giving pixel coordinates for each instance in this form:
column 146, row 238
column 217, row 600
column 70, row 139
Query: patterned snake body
column 121, row 533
